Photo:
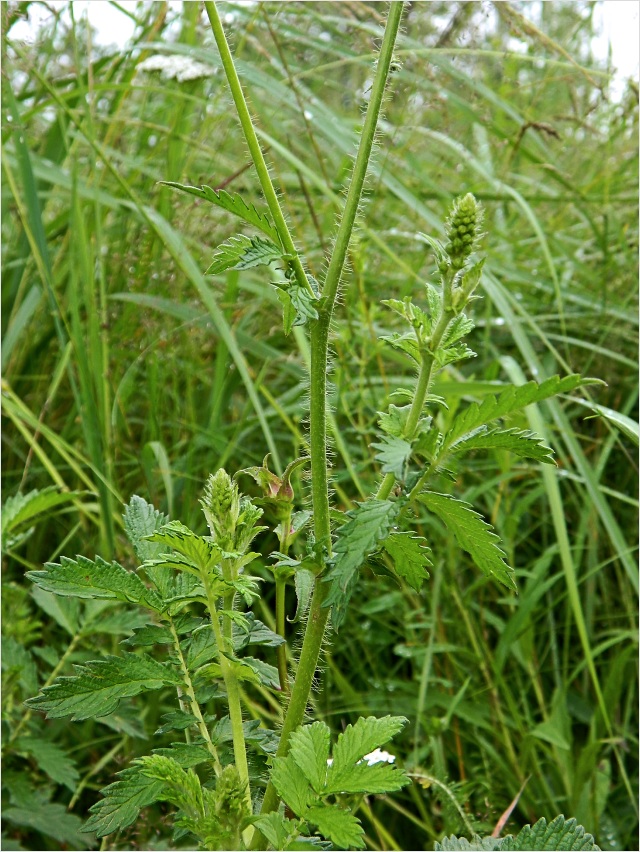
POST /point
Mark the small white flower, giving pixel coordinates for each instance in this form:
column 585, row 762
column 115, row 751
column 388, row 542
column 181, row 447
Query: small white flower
column 379, row 756
column 374, row 757
column 180, row 68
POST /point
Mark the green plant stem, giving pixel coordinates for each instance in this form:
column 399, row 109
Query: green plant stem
column 281, row 585
column 424, row 382
column 254, row 146
column 318, row 613
column 233, row 694
column 281, row 650
column 193, row 703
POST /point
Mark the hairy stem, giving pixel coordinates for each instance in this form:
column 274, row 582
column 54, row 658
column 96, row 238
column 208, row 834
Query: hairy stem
column 424, row 382
column 254, row 146
column 193, row 703
column 233, row 693
column 318, row 614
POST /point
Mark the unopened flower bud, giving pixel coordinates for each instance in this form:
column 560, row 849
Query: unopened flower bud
column 221, row 506
column 463, row 229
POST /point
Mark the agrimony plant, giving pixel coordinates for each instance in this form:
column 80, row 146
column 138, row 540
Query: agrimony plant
column 198, row 590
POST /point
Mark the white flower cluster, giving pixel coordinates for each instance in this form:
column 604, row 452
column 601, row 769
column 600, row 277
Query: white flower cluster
column 180, row 68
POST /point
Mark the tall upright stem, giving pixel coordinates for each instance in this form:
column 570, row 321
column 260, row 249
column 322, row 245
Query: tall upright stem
column 318, row 614
column 254, row 146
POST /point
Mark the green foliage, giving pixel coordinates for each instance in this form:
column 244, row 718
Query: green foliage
column 411, row 556
column 307, row 776
column 472, row 533
column 100, row 685
column 242, row 252
column 86, row 578
column 367, row 526
column 22, row 509
column 511, row 399
column 234, row 204
column 125, row 371
column 557, row 834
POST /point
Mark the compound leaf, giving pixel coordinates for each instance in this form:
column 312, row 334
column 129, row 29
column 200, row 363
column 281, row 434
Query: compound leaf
column 411, row 556
column 232, row 203
column 472, row 533
column 368, row 524
column 340, row 826
column 362, row 778
column 87, row 578
column 122, row 802
column 99, row 685
column 558, row 834
column 358, row 740
column 240, row 252
column 309, row 748
column 291, row 784
column 513, row 398
column 393, row 453
column 520, row 442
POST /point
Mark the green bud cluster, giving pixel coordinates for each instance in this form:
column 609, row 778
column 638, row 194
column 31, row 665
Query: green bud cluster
column 221, row 506
column 231, row 518
column 463, row 230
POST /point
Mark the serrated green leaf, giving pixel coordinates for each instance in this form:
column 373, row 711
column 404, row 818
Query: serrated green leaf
column 100, row 684
column 559, row 834
column 434, row 300
column 266, row 673
column 141, row 519
column 368, row 525
column 472, row 533
column 186, row 755
column 202, row 648
column 304, row 583
column 232, row 203
column 406, row 343
column 254, row 633
column 513, row 398
column 393, row 453
column 394, row 421
column 341, row 827
column 279, row 831
column 411, row 556
column 51, row 759
column 122, row 802
column 87, row 578
column 362, row 778
column 457, row 328
column 457, row 352
column 303, row 302
column 309, row 748
column 202, row 554
column 177, row 720
column 461, row 844
column 291, row 784
column 520, row 442
column 356, row 741
column 240, row 252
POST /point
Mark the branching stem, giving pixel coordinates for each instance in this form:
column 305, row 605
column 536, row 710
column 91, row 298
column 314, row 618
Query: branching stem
column 193, row 703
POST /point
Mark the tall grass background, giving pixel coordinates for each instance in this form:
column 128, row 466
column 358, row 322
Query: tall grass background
column 127, row 371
